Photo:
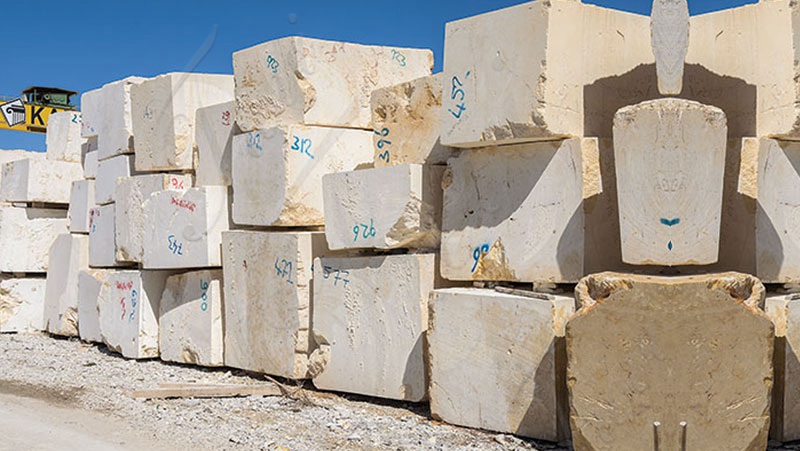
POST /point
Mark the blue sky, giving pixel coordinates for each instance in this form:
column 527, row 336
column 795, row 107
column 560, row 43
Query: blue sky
column 81, row 45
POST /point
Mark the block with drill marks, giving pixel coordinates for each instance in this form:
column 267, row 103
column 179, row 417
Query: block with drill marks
column 26, row 235
column 669, row 30
column 670, row 163
column 69, row 255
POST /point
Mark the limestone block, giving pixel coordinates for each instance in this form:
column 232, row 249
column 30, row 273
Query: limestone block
column 406, row 122
column 128, row 312
column 190, row 319
column 91, row 112
column 81, row 201
column 298, row 80
column 63, row 138
column 215, row 127
column 90, row 165
column 514, row 213
column 669, row 31
column 102, row 242
column 506, row 372
column 108, row 171
column 748, row 168
column 268, row 280
column 7, row 156
column 131, row 194
column 277, row 173
column 534, row 59
column 39, row 180
column 369, row 317
column 164, row 117
column 670, row 198
column 684, row 349
column 184, row 229
column 21, row 304
column 384, row 208
column 69, row 255
column 26, row 235
column 778, row 215
column 115, row 136
column 784, row 311
column 90, row 283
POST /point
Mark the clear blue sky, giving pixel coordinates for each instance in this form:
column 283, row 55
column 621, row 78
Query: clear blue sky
column 81, row 45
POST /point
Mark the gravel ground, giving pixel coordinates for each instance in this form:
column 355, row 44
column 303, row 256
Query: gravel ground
column 72, row 373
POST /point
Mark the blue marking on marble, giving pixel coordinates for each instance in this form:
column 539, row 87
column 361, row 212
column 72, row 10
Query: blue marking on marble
column 670, row 222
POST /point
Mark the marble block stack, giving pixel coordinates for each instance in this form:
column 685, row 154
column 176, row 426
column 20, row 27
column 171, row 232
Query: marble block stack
column 303, row 110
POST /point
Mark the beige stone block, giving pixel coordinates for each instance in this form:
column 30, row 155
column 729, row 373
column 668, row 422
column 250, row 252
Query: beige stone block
column 90, row 165
column 277, row 173
column 514, row 213
column 69, row 255
column 685, row 349
column 190, row 319
column 21, row 304
column 115, row 136
column 215, row 127
column 91, row 112
column 669, row 28
column 39, row 180
column 670, row 197
column 748, row 168
column 102, row 242
column 163, row 111
column 26, row 235
column 108, row 171
column 268, row 278
column 784, row 311
column 63, row 138
column 406, row 122
column 506, row 372
column 7, row 156
column 81, row 201
column 384, row 208
column 298, row 80
column 90, row 283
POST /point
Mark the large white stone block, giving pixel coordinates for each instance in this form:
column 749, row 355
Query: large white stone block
column 81, row 201
column 670, row 166
column 384, row 208
column 164, row 117
column 190, row 319
column 21, row 304
column 506, row 370
column 90, row 283
column 298, row 80
column 63, row 138
column 39, row 180
column 515, row 213
column 369, row 317
column 90, row 165
column 108, row 171
column 131, row 194
column 91, row 112
column 26, row 235
column 128, row 312
column 102, row 241
column 14, row 155
column 268, row 278
column 277, row 173
column 215, row 127
column 116, row 125
column 669, row 29
column 519, row 74
column 184, row 229
column 406, row 122
column 69, row 255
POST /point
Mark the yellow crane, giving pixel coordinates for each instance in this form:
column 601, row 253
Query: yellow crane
column 30, row 111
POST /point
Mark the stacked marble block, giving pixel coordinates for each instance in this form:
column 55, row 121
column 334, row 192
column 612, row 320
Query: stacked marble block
column 303, row 112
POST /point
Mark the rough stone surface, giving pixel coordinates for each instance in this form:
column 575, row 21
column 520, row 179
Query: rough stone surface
column 102, row 243
column 215, row 127
column 384, row 208
column 108, row 171
column 81, row 201
column 298, row 80
column 190, row 319
column 268, row 277
column 164, row 117
column 90, row 283
column 506, row 371
column 670, row 357
column 21, row 304
column 63, row 138
column 128, row 312
column 69, row 255
column 26, row 235
column 406, row 122
column 131, row 194
column 670, row 198
column 669, row 29
column 784, row 311
column 369, row 318
column 39, row 180
column 514, row 213
column 277, row 173
column 184, row 229
column 536, row 60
